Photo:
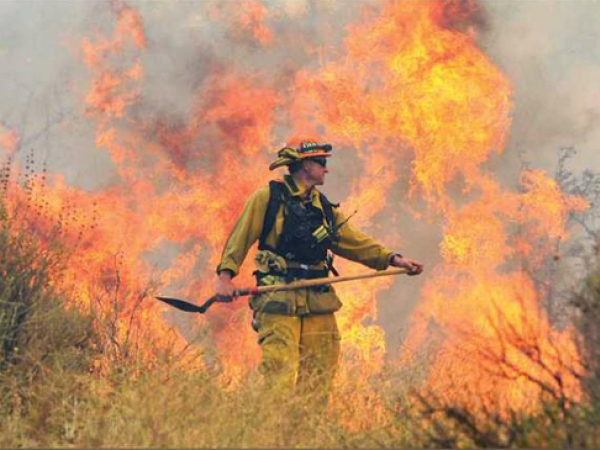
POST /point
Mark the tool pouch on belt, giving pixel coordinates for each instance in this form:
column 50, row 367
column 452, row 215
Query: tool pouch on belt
column 268, row 267
column 274, row 269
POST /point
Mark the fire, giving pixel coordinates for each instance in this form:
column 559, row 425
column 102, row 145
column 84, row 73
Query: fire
column 413, row 84
column 410, row 94
column 9, row 140
column 506, row 353
column 251, row 19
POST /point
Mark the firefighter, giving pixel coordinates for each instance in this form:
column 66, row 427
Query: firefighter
column 298, row 231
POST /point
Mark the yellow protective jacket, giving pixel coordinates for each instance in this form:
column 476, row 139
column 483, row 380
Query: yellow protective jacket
column 351, row 244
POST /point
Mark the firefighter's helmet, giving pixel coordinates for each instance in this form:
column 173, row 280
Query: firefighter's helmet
column 305, row 150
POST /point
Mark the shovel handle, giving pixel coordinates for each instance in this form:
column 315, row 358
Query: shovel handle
column 242, row 292
column 301, row 284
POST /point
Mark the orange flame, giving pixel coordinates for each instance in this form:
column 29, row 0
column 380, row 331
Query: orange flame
column 411, row 94
column 411, row 83
column 9, row 140
column 251, row 18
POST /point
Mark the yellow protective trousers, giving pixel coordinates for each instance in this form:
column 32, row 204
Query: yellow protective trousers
column 299, row 352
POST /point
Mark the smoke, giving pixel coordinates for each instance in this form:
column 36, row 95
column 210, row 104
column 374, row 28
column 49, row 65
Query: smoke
column 547, row 49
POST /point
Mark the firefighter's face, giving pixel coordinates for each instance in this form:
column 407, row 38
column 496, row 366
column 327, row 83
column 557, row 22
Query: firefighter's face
column 316, row 169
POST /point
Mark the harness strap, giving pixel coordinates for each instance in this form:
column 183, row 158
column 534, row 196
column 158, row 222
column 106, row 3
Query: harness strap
column 278, row 194
column 276, row 197
column 329, row 218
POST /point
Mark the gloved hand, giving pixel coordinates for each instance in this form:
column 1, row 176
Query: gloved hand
column 225, row 287
column 414, row 267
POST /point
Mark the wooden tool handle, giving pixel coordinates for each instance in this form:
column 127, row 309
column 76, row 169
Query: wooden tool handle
column 301, row 284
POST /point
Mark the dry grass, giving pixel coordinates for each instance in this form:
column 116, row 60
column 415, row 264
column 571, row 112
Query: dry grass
column 64, row 407
column 58, row 402
column 52, row 395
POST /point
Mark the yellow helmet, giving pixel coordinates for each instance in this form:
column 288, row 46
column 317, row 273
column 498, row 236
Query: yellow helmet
column 305, row 150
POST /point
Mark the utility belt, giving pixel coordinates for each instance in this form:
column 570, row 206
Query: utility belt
column 273, row 268
column 292, row 275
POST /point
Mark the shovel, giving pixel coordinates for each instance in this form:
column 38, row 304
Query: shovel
column 300, row 284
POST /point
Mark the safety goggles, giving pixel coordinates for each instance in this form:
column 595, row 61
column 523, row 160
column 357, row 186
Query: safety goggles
column 320, row 161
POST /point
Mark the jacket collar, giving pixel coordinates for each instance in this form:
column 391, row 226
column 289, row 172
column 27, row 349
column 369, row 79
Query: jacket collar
column 296, row 187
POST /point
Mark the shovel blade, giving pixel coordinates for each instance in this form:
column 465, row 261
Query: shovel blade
column 182, row 305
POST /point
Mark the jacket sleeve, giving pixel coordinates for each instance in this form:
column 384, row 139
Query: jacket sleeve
column 245, row 232
column 360, row 247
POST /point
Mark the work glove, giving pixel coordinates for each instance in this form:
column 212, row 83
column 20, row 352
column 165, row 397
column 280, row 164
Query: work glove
column 225, row 288
column 414, row 267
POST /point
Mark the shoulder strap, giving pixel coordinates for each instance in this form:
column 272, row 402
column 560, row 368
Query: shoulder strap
column 276, row 193
column 328, row 210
